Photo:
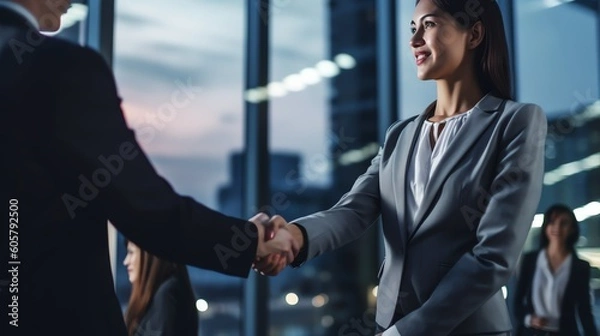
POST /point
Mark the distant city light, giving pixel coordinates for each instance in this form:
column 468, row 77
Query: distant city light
column 300, row 81
column 589, row 210
column 310, row 76
column 327, row 68
column 374, row 291
column 345, row 61
column 538, row 220
column 353, row 156
column 294, row 83
column 291, row 299
column 327, row 321
column 554, row 3
column 320, row 300
column 276, row 89
column 582, row 213
column 202, row 305
column 257, row 95
column 569, row 169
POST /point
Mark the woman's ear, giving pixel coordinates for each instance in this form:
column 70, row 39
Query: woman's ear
column 477, row 32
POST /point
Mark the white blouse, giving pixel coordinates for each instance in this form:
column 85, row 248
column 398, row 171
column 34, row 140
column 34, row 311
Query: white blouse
column 548, row 290
column 426, row 159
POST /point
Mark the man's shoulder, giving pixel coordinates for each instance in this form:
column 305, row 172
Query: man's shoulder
column 31, row 48
column 63, row 52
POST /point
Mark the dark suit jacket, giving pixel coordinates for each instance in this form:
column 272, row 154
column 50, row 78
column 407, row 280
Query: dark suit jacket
column 72, row 163
column 576, row 299
column 172, row 312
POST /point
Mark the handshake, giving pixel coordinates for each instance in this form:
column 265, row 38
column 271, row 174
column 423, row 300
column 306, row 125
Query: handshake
column 278, row 244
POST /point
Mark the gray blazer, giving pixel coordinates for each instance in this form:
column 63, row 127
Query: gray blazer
column 445, row 276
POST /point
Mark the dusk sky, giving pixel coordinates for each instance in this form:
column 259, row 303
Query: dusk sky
column 160, row 45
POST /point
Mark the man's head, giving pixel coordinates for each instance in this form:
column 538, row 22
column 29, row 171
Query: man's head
column 46, row 12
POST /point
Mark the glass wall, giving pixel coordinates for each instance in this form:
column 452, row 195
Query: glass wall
column 323, row 134
column 179, row 68
column 323, row 128
column 557, row 64
column 557, row 67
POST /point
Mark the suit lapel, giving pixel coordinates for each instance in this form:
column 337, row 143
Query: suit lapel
column 479, row 120
column 405, row 147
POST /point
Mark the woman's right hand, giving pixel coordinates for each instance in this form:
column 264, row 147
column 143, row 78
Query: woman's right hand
column 538, row 322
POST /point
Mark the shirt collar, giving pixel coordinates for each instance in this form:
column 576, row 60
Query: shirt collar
column 24, row 12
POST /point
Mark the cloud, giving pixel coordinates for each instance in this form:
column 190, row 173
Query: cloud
column 150, row 69
column 134, row 20
column 158, row 43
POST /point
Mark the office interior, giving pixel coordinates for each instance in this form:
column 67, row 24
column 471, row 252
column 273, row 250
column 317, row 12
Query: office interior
column 281, row 104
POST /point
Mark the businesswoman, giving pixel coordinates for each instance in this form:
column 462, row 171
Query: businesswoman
column 162, row 300
column 554, row 284
column 456, row 186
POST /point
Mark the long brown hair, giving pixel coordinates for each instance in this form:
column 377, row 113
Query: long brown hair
column 492, row 62
column 153, row 272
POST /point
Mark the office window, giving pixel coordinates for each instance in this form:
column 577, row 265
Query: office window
column 179, row 68
column 557, row 53
column 323, row 134
column 557, row 64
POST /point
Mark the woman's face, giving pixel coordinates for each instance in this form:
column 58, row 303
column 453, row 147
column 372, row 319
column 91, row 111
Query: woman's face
column 132, row 261
column 559, row 228
column 439, row 43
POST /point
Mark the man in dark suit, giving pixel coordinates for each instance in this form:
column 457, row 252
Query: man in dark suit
column 70, row 164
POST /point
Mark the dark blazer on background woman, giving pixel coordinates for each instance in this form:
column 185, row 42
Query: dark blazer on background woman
column 171, row 312
column 576, row 299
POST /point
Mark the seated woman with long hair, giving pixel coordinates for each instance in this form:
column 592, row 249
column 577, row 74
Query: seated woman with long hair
column 162, row 300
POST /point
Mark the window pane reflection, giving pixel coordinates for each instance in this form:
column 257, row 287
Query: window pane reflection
column 557, row 53
column 323, row 136
column 179, row 67
column 557, row 68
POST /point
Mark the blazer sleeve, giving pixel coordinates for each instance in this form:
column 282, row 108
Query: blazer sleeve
column 501, row 233
column 105, row 169
column 345, row 221
column 356, row 211
column 524, row 282
column 584, row 306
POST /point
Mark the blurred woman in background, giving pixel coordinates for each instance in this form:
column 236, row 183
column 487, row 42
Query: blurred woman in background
column 554, row 284
column 162, row 300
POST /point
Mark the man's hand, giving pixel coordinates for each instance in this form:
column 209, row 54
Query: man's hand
column 274, row 239
column 273, row 264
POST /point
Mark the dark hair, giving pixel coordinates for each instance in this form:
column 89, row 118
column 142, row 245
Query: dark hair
column 492, row 62
column 153, row 272
column 549, row 215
